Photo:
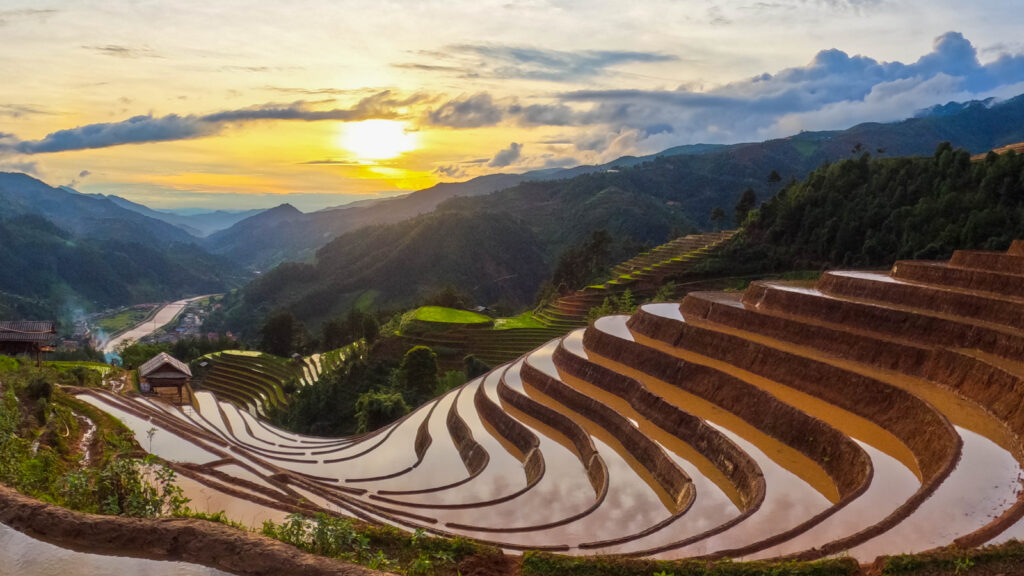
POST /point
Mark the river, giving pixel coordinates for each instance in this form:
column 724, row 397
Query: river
column 163, row 317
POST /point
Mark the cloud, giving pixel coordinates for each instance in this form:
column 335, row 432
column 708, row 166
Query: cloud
column 17, row 111
column 78, row 180
column 120, row 51
column 507, row 156
column 6, row 16
column 467, row 112
column 135, row 130
column 834, row 90
column 450, row 171
column 330, row 162
column 523, row 62
column 148, row 128
column 20, row 166
column 260, row 69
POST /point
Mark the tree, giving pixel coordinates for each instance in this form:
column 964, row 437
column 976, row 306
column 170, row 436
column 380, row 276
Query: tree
column 717, row 216
column 377, row 409
column 745, row 204
column 774, row 177
column 475, row 367
column 580, row 263
column 333, row 334
column 282, row 334
column 449, row 297
column 417, row 375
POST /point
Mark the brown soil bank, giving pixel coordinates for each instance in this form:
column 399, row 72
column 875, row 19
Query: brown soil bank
column 178, row 539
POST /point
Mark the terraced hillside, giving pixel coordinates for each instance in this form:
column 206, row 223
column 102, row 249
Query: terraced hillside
column 871, row 413
column 642, row 275
column 257, row 382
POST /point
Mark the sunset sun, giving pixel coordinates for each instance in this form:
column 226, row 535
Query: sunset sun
column 376, row 139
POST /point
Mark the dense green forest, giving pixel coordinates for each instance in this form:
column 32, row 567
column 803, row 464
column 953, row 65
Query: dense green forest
column 870, row 212
column 495, row 257
column 48, row 270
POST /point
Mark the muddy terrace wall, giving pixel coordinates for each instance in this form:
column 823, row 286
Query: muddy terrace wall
column 649, row 454
column 596, row 469
column 179, row 539
column 472, row 453
column 843, row 460
column 887, row 354
column 989, row 309
column 895, row 322
column 514, row 432
column 995, row 261
column 741, row 470
column 966, row 278
column 928, row 434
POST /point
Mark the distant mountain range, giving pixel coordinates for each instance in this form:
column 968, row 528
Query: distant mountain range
column 265, row 240
column 62, row 250
column 197, row 223
column 637, row 200
column 698, row 178
column 140, row 253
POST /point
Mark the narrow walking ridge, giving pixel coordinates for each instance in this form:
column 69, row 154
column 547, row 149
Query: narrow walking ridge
column 872, row 413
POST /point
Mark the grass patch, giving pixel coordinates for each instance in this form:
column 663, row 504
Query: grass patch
column 524, row 320
column 365, row 300
column 123, row 320
column 444, row 315
column 377, row 547
column 545, row 564
column 62, row 366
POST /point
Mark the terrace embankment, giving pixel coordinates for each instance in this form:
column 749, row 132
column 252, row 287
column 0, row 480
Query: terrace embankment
column 871, row 412
column 182, row 539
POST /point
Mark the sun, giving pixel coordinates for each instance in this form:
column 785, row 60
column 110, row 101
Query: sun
column 376, row 139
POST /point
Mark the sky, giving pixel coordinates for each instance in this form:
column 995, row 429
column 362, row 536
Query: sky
column 233, row 104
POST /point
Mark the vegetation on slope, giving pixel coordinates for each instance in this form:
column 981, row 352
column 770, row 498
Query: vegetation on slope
column 63, row 250
column 496, row 257
column 869, row 213
column 40, row 455
column 445, row 315
column 48, row 270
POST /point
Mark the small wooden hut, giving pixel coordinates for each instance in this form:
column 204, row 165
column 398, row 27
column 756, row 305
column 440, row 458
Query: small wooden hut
column 27, row 337
column 167, row 377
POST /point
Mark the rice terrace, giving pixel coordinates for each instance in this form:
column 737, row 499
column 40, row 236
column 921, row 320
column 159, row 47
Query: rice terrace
column 517, row 288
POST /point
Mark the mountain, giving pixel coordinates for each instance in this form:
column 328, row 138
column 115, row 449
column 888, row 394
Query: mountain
column 261, row 244
column 869, row 213
column 698, row 177
column 639, row 201
column 64, row 250
column 496, row 252
column 83, row 215
column 198, row 224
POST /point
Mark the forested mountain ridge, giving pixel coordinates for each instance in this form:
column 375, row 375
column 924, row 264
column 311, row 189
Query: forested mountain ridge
column 199, row 225
column 698, row 177
column 871, row 212
column 83, row 215
column 492, row 255
column 638, row 204
column 62, row 250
